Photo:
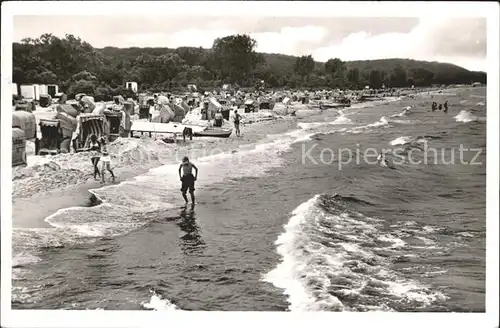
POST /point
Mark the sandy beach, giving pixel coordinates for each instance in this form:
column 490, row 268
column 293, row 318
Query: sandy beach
column 64, row 180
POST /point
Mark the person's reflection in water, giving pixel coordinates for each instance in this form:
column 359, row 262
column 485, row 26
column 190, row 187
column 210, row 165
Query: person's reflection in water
column 190, row 242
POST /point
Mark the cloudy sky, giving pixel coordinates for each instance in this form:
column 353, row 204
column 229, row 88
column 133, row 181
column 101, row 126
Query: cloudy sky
column 461, row 41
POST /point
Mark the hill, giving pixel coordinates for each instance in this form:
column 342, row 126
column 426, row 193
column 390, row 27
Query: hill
column 283, row 65
column 78, row 67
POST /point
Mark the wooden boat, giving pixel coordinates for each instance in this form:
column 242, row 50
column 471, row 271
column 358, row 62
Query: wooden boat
column 327, row 105
column 214, row 132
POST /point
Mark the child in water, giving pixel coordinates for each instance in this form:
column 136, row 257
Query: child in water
column 106, row 160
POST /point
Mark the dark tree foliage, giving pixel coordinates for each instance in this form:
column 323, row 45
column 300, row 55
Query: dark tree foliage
column 76, row 67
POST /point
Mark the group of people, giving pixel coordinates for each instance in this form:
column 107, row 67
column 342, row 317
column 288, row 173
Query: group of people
column 440, row 107
column 99, row 152
column 219, row 118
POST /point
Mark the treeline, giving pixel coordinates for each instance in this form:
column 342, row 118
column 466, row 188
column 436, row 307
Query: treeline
column 76, row 67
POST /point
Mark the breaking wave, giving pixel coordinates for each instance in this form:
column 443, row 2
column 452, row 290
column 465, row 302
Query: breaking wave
column 342, row 119
column 405, row 112
column 334, row 259
column 158, row 303
column 401, row 141
column 465, row 117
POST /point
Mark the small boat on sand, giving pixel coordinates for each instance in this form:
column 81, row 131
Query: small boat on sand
column 214, row 132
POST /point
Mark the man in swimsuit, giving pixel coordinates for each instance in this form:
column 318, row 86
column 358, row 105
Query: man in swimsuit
column 237, row 118
column 187, row 178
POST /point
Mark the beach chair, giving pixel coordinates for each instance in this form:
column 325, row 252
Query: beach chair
column 144, row 111
column 45, row 101
column 18, row 146
column 50, row 143
column 114, row 120
column 89, row 124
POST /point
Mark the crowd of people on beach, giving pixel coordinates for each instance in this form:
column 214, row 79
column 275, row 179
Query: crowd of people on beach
column 99, row 153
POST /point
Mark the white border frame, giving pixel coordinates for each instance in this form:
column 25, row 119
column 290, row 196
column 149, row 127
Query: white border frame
column 39, row 318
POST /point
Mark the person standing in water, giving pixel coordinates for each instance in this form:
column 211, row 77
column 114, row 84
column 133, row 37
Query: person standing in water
column 446, row 106
column 218, row 119
column 237, row 118
column 95, row 154
column 187, row 178
column 106, row 161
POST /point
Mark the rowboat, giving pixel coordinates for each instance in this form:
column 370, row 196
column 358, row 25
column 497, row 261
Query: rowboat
column 213, row 132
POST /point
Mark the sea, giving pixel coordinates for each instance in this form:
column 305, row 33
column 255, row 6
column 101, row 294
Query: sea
column 307, row 220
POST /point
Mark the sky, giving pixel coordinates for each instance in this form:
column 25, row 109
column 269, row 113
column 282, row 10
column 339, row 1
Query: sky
column 460, row 41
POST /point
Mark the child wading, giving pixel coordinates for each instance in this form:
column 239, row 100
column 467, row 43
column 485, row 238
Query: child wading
column 95, row 154
column 106, row 160
column 187, row 178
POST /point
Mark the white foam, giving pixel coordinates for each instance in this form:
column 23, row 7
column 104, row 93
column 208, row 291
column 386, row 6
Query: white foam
column 412, row 291
column 465, row 117
column 465, row 234
column 340, row 120
column 316, row 266
column 401, row 141
column 383, row 121
column 405, row 111
column 396, row 242
column 359, row 129
column 285, row 274
column 157, row 303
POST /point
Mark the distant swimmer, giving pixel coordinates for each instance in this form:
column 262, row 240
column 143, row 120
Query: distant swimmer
column 383, row 161
column 446, row 106
column 440, row 107
column 187, row 178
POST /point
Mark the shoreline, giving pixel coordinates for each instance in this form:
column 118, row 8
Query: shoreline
column 78, row 195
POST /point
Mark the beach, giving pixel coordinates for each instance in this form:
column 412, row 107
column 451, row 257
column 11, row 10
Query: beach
column 269, row 232
column 47, row 181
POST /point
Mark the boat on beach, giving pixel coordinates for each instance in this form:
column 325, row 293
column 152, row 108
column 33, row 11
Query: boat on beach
column 214, row 132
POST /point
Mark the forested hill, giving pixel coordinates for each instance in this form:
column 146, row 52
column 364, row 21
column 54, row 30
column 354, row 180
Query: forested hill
column 78, row 67
column 286, row 63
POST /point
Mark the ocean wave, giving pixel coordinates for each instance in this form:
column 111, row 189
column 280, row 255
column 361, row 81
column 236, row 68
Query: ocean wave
column 127, row 206
column 382, row 122
column 405, row 112
column 158, row 303
column 329, row 261
column 342, row 119
column 465, row 117
column 402, row 140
